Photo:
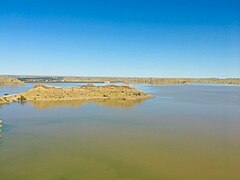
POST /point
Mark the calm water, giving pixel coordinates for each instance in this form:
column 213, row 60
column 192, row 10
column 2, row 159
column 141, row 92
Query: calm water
column 185, row 132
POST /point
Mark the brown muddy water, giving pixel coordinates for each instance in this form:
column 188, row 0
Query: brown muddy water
column 185, row 132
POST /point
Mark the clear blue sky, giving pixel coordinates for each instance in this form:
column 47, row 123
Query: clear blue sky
column 144, row 38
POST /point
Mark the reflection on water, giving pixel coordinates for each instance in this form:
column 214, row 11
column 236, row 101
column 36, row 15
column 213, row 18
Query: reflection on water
column 78, row 103
column 185, row 132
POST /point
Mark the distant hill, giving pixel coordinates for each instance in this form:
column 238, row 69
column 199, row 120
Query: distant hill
column 9, row 81
column 145, row 80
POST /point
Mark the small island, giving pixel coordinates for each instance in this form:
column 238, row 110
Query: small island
column 41, row 93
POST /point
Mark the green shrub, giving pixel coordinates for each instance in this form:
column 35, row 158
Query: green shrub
column 22, row 98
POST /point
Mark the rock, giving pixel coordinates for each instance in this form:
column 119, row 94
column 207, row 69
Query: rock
column 1, row 121
column 88, row 85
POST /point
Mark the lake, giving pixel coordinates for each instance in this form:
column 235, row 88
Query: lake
column 185, row 132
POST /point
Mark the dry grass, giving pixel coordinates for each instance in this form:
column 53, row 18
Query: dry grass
column 9, row 81
column 154, row 80
column 86, row 92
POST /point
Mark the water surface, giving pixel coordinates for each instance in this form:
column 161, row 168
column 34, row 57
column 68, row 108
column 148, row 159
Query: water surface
column 185, row 132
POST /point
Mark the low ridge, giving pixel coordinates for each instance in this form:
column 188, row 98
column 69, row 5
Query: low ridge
column 42, row 92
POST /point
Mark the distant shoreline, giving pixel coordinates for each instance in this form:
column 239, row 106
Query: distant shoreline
column 154, row 81
column 125, row 80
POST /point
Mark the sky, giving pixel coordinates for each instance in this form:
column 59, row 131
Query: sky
column 120, row 38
